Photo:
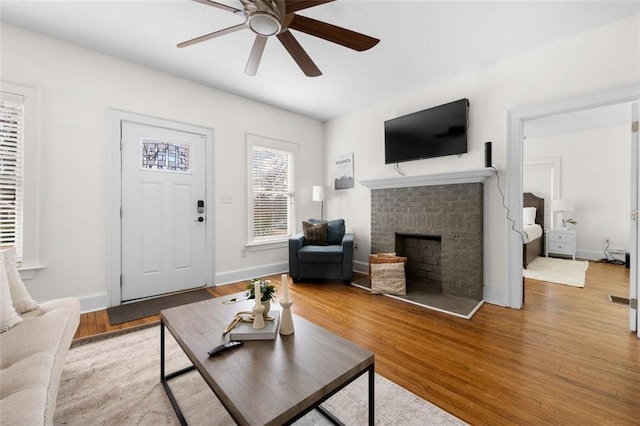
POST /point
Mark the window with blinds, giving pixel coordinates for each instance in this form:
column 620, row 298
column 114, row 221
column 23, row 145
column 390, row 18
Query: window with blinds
column 271, row 187
column 11, row 170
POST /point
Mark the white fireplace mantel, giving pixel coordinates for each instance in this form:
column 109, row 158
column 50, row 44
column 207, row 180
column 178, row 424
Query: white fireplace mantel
column 466, row 176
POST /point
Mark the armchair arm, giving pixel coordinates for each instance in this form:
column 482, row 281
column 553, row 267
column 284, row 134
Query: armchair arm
column 296, row 242
column 347, row 256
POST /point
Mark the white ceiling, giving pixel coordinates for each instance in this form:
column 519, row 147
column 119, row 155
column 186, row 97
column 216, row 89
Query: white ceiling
column 422, row 42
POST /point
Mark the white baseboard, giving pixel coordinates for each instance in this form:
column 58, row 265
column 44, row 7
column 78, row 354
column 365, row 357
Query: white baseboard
column 361, row 267
column 92, row 302
column 589, row 254
column 494, row 295
column 230, row 277
column 98, row 301
column 598, row 255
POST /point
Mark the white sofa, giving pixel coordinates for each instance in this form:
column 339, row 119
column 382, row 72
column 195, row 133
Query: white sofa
column 32, row 355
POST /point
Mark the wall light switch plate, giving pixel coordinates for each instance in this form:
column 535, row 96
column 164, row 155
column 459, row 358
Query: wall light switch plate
column 226, row 199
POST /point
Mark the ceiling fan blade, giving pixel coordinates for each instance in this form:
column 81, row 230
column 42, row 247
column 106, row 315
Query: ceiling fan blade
column 212, row 35
column 218, row 5
column 296, row 5
column 255, row 56
column 298, row 54
column 333, row 33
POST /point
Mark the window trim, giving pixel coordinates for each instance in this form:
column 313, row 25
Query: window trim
column 266, row 142
column 31, row 259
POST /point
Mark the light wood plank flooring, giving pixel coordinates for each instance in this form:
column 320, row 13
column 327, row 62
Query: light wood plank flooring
column 567, row 358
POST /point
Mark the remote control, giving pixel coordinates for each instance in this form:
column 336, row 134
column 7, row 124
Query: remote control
column 225, row 347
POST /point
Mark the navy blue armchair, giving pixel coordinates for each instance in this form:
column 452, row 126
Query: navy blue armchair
column 313, row 257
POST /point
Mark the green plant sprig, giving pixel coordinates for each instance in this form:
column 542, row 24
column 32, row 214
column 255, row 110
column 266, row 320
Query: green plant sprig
column 267, row 290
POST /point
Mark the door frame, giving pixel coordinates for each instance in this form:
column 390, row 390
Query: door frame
column 114, row 184
column 634, row 318
column 515, row 137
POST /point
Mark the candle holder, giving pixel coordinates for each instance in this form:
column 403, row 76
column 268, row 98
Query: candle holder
column 258, row 319
column 286, row 321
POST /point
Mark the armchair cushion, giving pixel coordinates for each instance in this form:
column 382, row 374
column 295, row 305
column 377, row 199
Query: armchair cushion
column 320, row 254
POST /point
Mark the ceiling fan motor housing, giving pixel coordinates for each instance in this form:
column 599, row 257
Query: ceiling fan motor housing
column 264, row 17
column 263, row 24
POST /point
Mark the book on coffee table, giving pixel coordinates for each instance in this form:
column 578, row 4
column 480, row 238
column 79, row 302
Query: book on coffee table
column 245, row 330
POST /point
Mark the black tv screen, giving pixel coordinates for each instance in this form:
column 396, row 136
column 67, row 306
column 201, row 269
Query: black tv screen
column 433, row 132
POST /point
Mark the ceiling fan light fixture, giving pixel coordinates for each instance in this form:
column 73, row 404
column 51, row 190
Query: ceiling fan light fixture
column 263, row 24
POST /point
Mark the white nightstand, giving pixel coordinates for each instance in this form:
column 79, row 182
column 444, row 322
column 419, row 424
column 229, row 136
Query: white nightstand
column 561, row 241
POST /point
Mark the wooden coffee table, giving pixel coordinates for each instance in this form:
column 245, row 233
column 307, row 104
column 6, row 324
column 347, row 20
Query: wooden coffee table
column 267, row 382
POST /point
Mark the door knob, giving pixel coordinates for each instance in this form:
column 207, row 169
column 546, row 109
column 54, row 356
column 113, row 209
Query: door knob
column 199, row 219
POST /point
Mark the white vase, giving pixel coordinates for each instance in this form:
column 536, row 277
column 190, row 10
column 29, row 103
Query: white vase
column 267, row 307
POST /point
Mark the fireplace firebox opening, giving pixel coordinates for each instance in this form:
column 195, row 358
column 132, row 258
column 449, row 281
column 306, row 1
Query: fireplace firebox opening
column 424, row 257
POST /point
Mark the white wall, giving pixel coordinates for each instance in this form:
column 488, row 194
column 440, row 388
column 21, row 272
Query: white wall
column 79, row 86
column 77, row 89
column 605, row 58
column 594, row 173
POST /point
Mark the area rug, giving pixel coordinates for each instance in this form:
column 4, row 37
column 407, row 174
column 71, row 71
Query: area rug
column 146, row 308
column 116, row 381
column 559, row 271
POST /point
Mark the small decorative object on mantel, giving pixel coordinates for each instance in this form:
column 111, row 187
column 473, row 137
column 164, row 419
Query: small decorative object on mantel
column 267, row 292
column 286, row 323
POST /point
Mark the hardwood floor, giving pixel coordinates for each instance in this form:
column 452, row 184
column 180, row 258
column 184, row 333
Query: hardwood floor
column 567, row 358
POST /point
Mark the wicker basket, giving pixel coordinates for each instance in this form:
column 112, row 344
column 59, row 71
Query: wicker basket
column 385, row 258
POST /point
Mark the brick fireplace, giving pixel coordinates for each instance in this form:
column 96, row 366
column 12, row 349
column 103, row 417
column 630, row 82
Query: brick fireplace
column 441, row 218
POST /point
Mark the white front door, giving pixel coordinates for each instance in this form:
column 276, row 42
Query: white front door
column 634, row 282
column 163, row 217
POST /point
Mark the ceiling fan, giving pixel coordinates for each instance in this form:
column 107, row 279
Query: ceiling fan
column 267, row 18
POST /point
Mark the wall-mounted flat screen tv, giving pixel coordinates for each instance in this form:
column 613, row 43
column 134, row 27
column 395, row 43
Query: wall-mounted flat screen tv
column 433, row 132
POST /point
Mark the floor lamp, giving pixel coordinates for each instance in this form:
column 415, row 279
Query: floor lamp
column 318, row 195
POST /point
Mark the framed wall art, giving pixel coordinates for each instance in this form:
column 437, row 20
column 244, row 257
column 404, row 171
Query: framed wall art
column 343, row 171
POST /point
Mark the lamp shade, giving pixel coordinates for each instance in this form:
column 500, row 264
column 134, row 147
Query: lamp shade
column 318, row 193
column 562, row 205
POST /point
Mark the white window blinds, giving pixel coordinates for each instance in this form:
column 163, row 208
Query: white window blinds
column 11, row 170
column 271, row 215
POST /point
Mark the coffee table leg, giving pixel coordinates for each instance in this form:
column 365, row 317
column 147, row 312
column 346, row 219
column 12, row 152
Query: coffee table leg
column 162, row 351
column 164, row 378
column 372, row 381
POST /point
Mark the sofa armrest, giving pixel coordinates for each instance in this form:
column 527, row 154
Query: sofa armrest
column 296, row 242
column 32, row 359
column 347, row 241
column 347, row 254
